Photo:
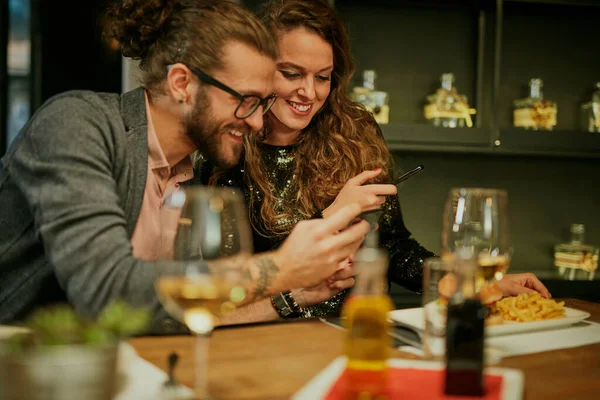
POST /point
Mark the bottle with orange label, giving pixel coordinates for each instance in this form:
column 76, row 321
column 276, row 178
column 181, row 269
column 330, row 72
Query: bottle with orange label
column 534, row 112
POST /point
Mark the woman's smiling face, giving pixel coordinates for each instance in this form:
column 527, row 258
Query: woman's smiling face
column 303, row 78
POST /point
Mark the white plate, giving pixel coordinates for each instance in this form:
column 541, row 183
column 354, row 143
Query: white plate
column 415, row 318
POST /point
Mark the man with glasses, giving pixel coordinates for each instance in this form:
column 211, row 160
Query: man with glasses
column 248, row 102
column 82, row 186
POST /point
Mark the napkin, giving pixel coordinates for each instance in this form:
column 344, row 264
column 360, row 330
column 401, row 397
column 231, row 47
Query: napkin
column 139, row 379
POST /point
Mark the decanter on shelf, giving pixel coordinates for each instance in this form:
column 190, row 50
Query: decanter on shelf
column 374, row 100
column 576, row 260
column 533, row 112
column 447, row 108
column 590, row 112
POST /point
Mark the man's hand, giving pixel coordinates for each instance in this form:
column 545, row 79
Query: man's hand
column 368, row 197
column 314, row 248
column 513, row 284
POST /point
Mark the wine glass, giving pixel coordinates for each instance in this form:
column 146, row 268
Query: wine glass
column 209, row 223
column 477, row 219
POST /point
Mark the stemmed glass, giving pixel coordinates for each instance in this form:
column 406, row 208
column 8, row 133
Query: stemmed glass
column 477, row 218
column 210, row 223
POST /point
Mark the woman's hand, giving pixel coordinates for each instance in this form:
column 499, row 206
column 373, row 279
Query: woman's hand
column 342, row 279
column 368, row 197
column 345, row 270
column 513, row 284
column 323, row 291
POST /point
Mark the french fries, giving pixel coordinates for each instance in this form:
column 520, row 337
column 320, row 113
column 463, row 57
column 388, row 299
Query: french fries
column 529, row 307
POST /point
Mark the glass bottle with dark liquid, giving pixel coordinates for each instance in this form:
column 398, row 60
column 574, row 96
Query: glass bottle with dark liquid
column 465, row 334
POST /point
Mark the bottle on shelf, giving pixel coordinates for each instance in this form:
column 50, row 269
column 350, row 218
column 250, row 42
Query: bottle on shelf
column 375, row 101
column 576, row 260
column 533, row 112
column 447, row 108
column 590, row 113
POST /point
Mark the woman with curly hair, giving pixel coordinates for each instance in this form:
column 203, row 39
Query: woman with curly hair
column 317, row 152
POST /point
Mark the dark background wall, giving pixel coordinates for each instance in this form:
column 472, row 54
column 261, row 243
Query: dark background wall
column 68, row 49
column 546, row 195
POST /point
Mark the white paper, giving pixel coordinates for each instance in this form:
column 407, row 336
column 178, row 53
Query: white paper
column 139, row 379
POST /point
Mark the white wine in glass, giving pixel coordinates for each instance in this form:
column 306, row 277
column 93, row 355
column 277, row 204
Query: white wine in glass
column 212, row 224
column 198, row 300
column 477, row 218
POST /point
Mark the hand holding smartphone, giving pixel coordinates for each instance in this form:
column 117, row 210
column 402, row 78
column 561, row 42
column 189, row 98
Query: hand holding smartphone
column 396, row 182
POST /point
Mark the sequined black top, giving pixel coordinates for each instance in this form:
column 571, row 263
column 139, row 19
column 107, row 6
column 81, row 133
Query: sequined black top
column 406, row 254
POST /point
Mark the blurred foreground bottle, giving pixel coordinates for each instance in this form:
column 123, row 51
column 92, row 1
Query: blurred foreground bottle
column 367, row 341
column 576, row 260
column 365, row 311
column 374, row 100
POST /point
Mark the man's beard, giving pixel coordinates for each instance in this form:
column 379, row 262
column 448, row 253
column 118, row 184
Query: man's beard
column 207, row 136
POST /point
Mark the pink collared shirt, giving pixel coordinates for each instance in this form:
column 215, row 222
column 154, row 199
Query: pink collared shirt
column 156, row 226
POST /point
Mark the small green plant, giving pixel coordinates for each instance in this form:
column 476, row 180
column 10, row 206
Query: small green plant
column 60, row 325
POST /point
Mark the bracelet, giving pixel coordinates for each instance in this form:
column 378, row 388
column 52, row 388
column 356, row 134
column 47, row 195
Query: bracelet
column 286, row 306
column 279, row 304
column 276, row 307
column 298, row 311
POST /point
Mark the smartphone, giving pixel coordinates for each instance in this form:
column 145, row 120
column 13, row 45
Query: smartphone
column 396, row 182
column 407, row 175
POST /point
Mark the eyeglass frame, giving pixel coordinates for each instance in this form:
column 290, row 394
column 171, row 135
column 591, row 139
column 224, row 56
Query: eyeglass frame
column 203, row 76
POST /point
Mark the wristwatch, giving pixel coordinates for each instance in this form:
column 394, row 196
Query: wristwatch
column 286, row 306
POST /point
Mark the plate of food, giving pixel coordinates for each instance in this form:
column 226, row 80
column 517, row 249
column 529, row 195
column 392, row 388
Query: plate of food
column 506, row 316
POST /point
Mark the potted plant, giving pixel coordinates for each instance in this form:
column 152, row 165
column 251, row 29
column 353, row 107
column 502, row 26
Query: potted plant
column 67, row 357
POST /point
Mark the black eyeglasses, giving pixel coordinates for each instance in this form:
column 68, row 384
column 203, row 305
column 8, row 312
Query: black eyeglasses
column 248, row 102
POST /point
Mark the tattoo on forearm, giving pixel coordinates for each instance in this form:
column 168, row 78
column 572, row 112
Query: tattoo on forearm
column 257, row 272
column 267, row 271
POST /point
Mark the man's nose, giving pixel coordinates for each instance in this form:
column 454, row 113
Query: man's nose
column 256, row 120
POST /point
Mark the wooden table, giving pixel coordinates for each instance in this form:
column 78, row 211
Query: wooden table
column 273, row 361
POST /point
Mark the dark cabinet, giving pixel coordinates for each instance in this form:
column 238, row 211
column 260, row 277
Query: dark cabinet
column 493, row 48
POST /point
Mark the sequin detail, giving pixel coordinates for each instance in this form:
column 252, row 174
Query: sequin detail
column 405, row 253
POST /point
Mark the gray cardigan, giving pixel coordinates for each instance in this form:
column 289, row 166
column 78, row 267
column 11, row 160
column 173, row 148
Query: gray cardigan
column 71, row 188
